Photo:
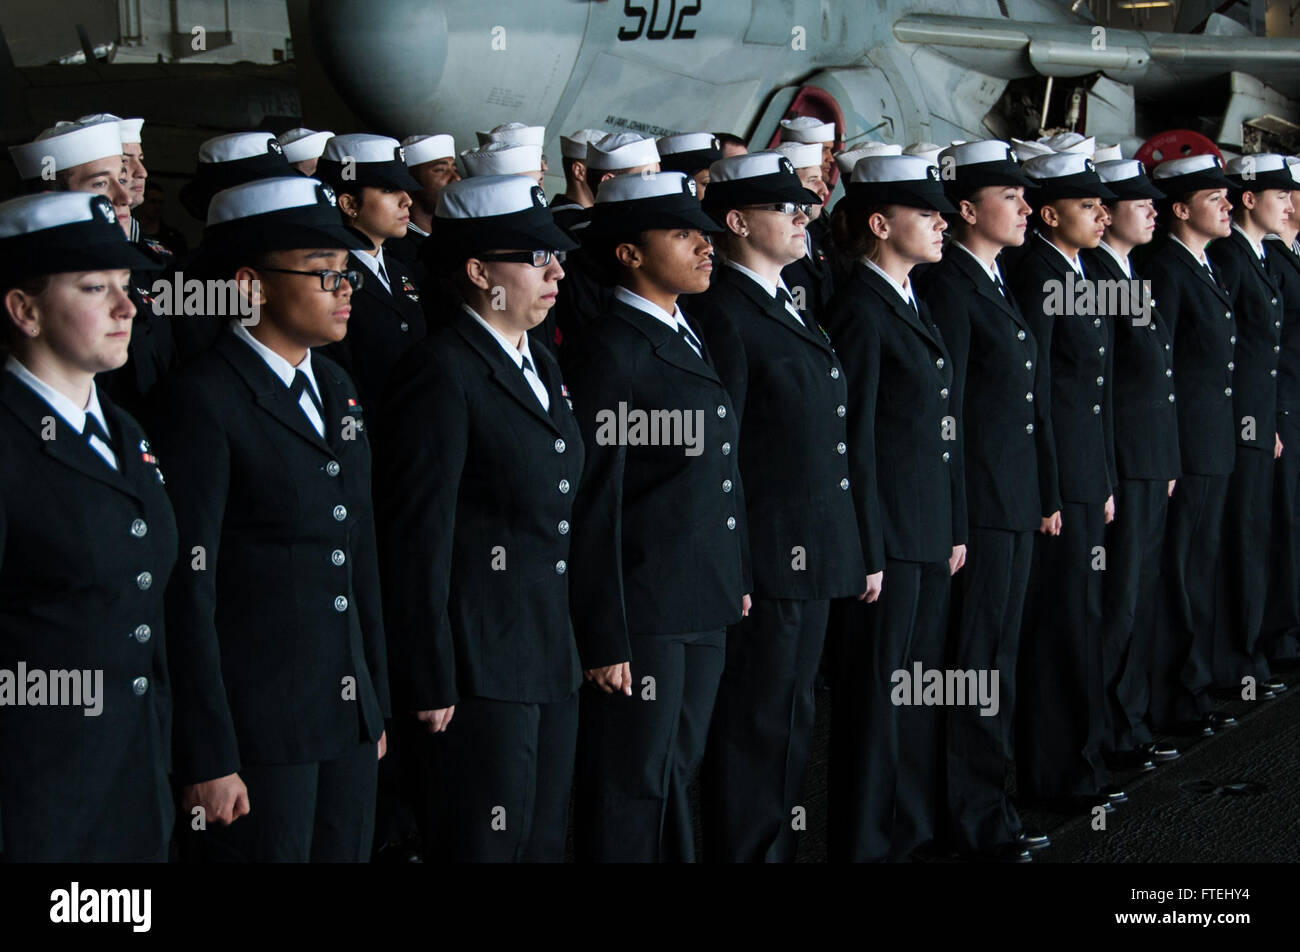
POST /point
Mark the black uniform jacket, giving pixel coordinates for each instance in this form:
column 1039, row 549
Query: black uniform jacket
column 659, row 534
column 85, row 553
column 277, row 645
column 1200, row 316
column 382, row 327
column 793, row 439
column 813, row 274
column 1145, row 414
column 904, row 446
column 1285, row 266
column 1075, row 355
column 476, row 485
column 408, row 249
column 995, row 363
column 1257, row 308
column 153, row 351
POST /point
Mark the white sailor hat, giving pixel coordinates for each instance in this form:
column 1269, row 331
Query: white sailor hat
column 807, row 129
column 575, row 146
column 621, row 150
column 926, row 150
column 502, row 158
column 1194, row 173
column 1065, row 175
column 514, row 133
column 491, row 212
column 229, row 160
column 802, row 155
column 688, row 152
column 1029, row 150
column 129, row 128
column 897, row 180
column 1263, row 170
column 302, row 145
column 1128, row 180
column 361, row 159
column 1107, row 153
column 756, row 178
column 629, row 204
column 57, row 232
column 421, row 149
column 976, row 165
column 271, row 214
column 1070, row 142
column 849, row 157
column 63, row 148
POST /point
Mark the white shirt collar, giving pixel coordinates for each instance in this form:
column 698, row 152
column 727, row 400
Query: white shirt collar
column 279, row 366
column 994, row 274
column 373, row 261
column 1074, row 262
column 1255, row 245
column 516, row 354
column 1121, row 260
column 1197, row 256
column 74, row 415
column 904, row 292
column 632, row 299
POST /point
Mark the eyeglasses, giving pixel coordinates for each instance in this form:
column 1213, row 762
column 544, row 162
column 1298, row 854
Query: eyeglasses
column 329, row 280
column 539, row 258
column 785, row 208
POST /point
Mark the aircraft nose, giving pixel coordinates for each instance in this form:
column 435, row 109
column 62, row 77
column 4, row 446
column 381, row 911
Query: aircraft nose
column 387, row 66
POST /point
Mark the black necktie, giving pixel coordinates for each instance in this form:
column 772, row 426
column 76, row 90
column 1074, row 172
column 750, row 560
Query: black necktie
column 783, row 297
column 997, row 283
column 690, row 338
column 383, row 275
column 92, row 427
column 302, row 385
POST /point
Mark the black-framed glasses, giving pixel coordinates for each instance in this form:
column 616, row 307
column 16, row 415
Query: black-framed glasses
column 539, row 258
column 785, row 208
column 329, row 280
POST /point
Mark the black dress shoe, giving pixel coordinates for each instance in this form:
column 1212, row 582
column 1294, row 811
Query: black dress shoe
column 1274, row 685
column 1136, row 759
column 1219, row 720
column 1033, row 840
column 1114, row 794
column 1159, row 751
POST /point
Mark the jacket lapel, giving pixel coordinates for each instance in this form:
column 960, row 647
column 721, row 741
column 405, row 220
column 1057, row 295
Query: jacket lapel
column 508, row 376
column 1182, row 255
column 61, row 442
column 269, row 391
column 1258, row 265
column 772, row 309
column 895, row 303
column 667, row 346
column 373, row 288
column 984, row 287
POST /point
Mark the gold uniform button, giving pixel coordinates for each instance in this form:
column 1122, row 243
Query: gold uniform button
column 142, row 633
column 341, row 603
column 144, row 580
column 139, row 528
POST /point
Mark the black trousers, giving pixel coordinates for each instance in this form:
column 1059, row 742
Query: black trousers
column 988, row 608
column 1281, row 637
column 1185, row 632
column 637, row 755
column 1131, row 589
column 494, row 786
column 320, row 812
column 885, row 770
column 1247, row 532
column 752, row 776
column 1062, row 696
